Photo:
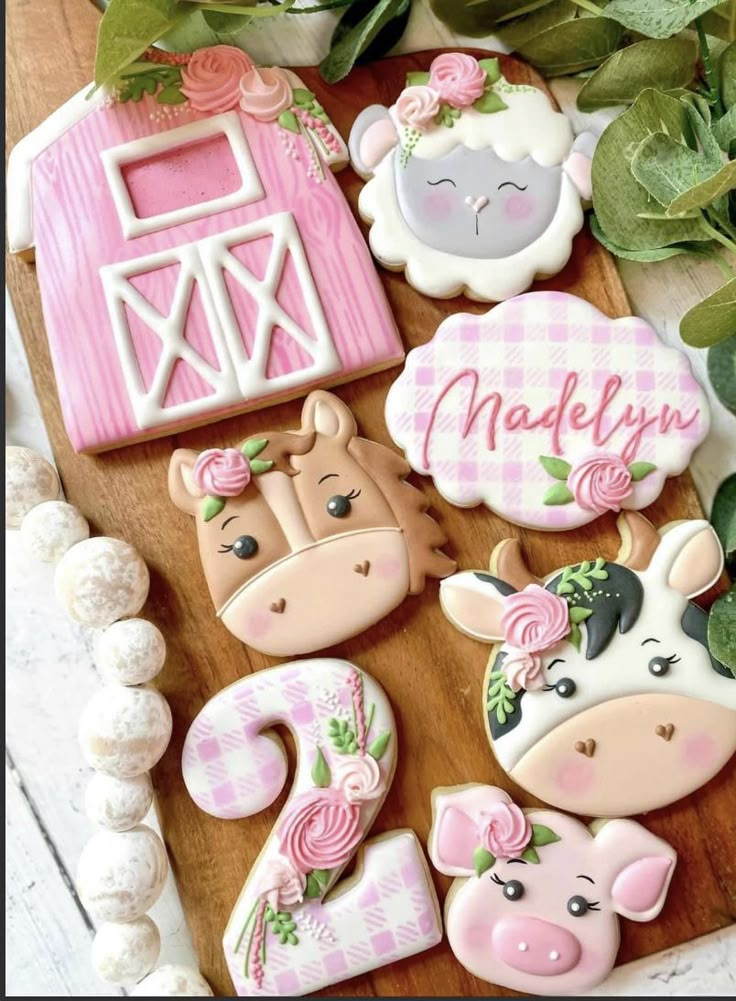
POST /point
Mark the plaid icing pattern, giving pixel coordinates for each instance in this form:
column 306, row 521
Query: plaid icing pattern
column 233, row 770
column 523, row 350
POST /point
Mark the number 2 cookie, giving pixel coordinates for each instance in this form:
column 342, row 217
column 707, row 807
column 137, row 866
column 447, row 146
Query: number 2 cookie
column 601, row 696
column 307, row 537
column 474, row 184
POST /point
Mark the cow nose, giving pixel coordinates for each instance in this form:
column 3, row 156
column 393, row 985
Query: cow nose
column 534, row 946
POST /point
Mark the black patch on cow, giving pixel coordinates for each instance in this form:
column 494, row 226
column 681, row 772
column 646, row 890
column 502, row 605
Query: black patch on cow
column 514, row 717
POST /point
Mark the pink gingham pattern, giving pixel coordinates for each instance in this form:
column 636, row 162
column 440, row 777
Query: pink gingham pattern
column 233, row 770
column 524, row 350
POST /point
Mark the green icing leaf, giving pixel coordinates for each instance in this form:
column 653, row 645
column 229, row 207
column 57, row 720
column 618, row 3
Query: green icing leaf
column 171, row 95
column 322, row 876
column 722, row 371
column 583, row 576
column 542, row 836
column 378, row 748
column 212, row 507
column 282, row 925
column 254, row 447
column 258, row 466
column 127, row 29
column 492, row 68
column 302, row 97
column 417, row 78
column 711, row 320
column 622, row 77
column 314, row 887
column 555, row 467
column 579, row 614
column 658, row 18
column 342, row 737
column 575, row 636
column 321, row 771
column 639, row 470
column 530, row 855
column 482, row 861
column 489, row 103
column 723, row 515
column 501, row 697
column 722, row 630
column 289, row 121
column 558, row 494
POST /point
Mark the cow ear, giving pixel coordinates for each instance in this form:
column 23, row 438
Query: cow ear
column 181, row 486
column 473, row 602
column 689, row 559
column 372, row 136
column 328, row 416
column 641, row 866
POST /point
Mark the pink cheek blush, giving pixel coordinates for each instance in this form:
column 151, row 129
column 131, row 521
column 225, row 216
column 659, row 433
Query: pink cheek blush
column 387, row 567
column 257, row 624
column 519, row 206
column 438, row 205
column 575, row 777
column 698, row 750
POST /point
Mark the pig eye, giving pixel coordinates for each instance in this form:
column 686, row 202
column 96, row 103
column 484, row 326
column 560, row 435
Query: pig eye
column 339, row 506
column 513, row 890
column 659, row 666
column 578, row 906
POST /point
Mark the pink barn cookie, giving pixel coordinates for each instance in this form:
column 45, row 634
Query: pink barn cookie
column 284, row 938
column 536, row 900
column 307, row 537
column 601, row 696
column 547, row 411
column 197, row 260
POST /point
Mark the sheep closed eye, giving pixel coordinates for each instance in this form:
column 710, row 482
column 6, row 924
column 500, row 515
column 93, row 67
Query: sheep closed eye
column 512, row 184
column 443, row 180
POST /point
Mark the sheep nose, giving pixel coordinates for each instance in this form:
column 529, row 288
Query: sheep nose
column 532, row 945
column 476, row 204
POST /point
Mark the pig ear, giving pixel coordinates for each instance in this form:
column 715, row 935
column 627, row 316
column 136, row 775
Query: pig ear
column 641, row 868
column 372, row 136
column 473, row 602
column 578, row 164
column 689, row 559
column 181, row 487
column 454, row 836
column 327, row 415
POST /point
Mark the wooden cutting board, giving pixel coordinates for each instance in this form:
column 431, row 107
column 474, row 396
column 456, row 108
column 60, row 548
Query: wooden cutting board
column 432, row 675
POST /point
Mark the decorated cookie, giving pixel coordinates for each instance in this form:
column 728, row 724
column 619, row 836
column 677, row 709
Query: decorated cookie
column 536, row 900
column 601, row 696
column 219, row 267
column 474, row 185
column 307, row 537
column 547, row 411
column 284, row 937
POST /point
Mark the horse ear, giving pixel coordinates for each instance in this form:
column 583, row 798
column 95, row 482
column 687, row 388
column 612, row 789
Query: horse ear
column 372, row 136
column 327, row 415
column 181, row 486
column 473, row 602
column 689, row 558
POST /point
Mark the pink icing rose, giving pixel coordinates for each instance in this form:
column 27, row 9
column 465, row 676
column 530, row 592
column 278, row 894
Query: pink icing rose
column 457, row 78
column 523, row 670
column 417, row 106
column 321, row 830
column 221, row 472
column 265, row 93
column 534, row 619
column 360, row 779
column 280, row 883
column 600, row 483
column 211, row 78
column 504, row 830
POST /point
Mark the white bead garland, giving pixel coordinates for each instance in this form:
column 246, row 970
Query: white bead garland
column 121, row 876
column 118, row 804
column 51, row 528
column 124, row 952
column 29, row 480
column 101, row 580
column 124, row 731
column 173, row 982
column 130, row 652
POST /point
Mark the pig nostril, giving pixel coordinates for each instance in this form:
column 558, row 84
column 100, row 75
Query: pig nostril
column 523, row 947
column 554, row 955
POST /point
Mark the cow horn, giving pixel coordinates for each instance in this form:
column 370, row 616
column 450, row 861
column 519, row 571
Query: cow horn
column 510, row 566
column 639, row 539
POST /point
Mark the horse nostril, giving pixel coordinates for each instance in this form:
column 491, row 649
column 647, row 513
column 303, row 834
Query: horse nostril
column 278, row 606
column 362, row 568
column 586, row 747
column 665, row 732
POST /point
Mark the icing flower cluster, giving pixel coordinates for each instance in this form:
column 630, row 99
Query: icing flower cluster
column 505, row 832
column 225, row 472
column 455, row 82
column 599, row 483
column 533, row 620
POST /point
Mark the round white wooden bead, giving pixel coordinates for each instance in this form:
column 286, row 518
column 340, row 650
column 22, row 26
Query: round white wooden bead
column 50, row 528
column 118, row 804
column 124, row 952
column 173, row 982
column 101, row 580
column 121, row 876
column 124, row 731
column 130, row 652
column 29, row 480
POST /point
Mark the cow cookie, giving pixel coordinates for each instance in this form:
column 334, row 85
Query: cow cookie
column 307, row 537
column 474, row 184
column 536, row 900
column 547, row 411
column 601, row 696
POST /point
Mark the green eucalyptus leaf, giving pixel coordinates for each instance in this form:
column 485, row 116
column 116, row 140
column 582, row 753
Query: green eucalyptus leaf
column 663, row 64
column 666, row 168
column 722, row 629
column 321, row 775
column 644, row 256
column 476, row 17
column 724, row 130
column 388, row 36
column 555, row 466
column 711, row 320
column 517, row 32
column 227, row 24
column 127, row 29
column 720, row 22
column 618, row 198
column 482, row 861
column 572, row 46
column 349, row 45
column 542, row 835
column 723, row 515
column 727, row 74
column 658, row 18
column 708, row 191
column 722, row 371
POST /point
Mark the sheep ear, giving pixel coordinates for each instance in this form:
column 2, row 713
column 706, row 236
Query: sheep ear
column 473, row 602
column 578, row 164
column 372, row 136
column 181, row 487
column 689, row 558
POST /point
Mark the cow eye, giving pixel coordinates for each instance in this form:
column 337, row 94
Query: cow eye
column 659, row 666
column 565, row 687
column 577, row 906
column 245, row 546
column 513, row 890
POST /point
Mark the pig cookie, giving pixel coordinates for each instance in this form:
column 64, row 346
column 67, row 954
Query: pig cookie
column 307, row 537
column 474, row 184
column 601, row 696
column 536, row 899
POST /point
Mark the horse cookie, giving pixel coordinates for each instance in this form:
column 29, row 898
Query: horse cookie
column 475, row 184
column 601, row 696
column 537, row 896
column 307, row 537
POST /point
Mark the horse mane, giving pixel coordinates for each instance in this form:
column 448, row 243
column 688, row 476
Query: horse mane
column 282, row 445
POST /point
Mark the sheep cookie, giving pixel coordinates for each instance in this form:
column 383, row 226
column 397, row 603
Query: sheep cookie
column 307, row 537
column 601, row 696
column 474, row 184
column 537, row 896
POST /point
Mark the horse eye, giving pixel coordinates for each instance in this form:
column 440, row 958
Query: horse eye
column 577, row 906
column 659, row 666
column 245, row 546
column 513, row 890
column 339, row 506
column 565, row 687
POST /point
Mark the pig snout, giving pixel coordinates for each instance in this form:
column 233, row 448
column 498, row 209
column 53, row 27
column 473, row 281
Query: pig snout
column 534, row 946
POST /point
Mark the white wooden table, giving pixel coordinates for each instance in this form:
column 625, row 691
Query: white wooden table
column 50, row 672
